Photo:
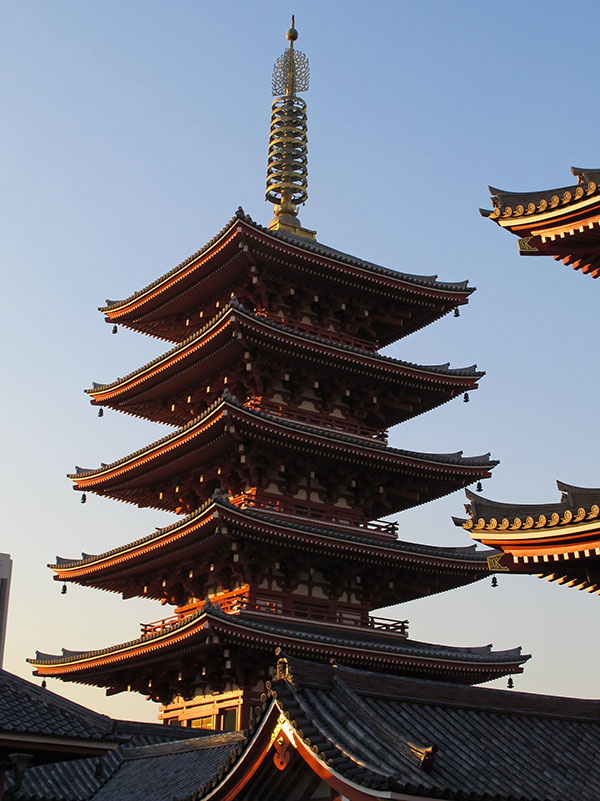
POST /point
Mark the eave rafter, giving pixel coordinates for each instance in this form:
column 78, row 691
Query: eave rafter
column 134, row 478
column 190, row 647
column 559, row 541
column 563, row 223
column 191, row 544
column 146, row 391
column 239, row 244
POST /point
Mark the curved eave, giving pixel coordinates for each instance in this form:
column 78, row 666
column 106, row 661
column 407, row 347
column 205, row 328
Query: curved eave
column 184, row 356
column 172, row 281
column 530, row 208
column 147, row 648
column 179, row 279
column 110, row 570
column 473, row 664
column 181, row 442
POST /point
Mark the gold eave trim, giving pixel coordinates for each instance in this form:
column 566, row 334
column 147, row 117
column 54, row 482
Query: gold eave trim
column 527, row 220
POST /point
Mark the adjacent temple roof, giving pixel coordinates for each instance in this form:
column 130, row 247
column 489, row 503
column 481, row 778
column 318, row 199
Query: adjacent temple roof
column 563, row 223
column 363, row 735
column 559, row 541
column 35, row 720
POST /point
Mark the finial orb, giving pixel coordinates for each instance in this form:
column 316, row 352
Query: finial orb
column 291, row 35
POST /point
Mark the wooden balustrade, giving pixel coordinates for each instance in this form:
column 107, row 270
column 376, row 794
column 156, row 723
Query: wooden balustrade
column 287, row 506
column 233, row 604
column 295, row 414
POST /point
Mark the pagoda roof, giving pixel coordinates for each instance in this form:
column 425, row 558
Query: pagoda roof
column 178, row 450
column 559, row 541
column 195, row 533
column 159, row 374
column 563, row 222
column 264, row 632
column 228, row 247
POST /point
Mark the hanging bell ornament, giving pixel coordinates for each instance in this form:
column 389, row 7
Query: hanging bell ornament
column 63, row 589
column 466, row 397
column 100, row 412
column 494, row 581
column 510, row 684
column 456, row 312
column 479, row 487
column 114, row 329
column 83, row 498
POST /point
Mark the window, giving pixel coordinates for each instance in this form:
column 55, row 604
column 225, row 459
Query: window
column 228, row 719
column 202, row 723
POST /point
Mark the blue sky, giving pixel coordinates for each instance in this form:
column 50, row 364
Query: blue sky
column 132, row 132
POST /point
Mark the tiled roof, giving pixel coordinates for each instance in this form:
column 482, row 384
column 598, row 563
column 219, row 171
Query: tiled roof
column 378, row 641
column 577, row 504
column 437, row 369
column 28, row 709
column 304, row 244
column 170, row 771
column 468, row 553
column 519, row 204
column 442, row 741
column 79, row 779
column 454, row 459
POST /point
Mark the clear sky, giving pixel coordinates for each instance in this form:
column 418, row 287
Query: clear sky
column 133, row 130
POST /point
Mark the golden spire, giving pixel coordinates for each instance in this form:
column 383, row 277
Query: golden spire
column 287, row 168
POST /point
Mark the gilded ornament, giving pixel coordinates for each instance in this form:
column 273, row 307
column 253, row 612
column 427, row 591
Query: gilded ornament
column 504, row 524
column 594, row 512
column 287, row 167
column 543, row 205
column 507, row 211
column 566, row 198
column 591, row 187
column 493, row 523
column 568, row 516
column 541, row 521
column 531, row 208
column 495, row 564
column 517, row 523
column 554, row 519
column 554, row 201
column 580, row 514
column 480, row 524
column 528, row 522
column 579, row 192
column 519, row 210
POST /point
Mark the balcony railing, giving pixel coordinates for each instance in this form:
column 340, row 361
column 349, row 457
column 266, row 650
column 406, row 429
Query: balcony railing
column 321, row 331
column 233, row 604
column 311, row 418
column 312, row 513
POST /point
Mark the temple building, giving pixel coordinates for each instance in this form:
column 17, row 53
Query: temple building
column 278, row 465
column 557, row 541
column 563, row 223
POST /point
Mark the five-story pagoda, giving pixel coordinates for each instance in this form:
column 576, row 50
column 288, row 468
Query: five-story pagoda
column 278, row 465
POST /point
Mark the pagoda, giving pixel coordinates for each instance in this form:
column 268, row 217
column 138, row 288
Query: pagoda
column 278, row 465
column 563, row 223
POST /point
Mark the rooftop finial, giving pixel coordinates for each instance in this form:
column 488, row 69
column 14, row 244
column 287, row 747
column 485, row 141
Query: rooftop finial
column 287, row 169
